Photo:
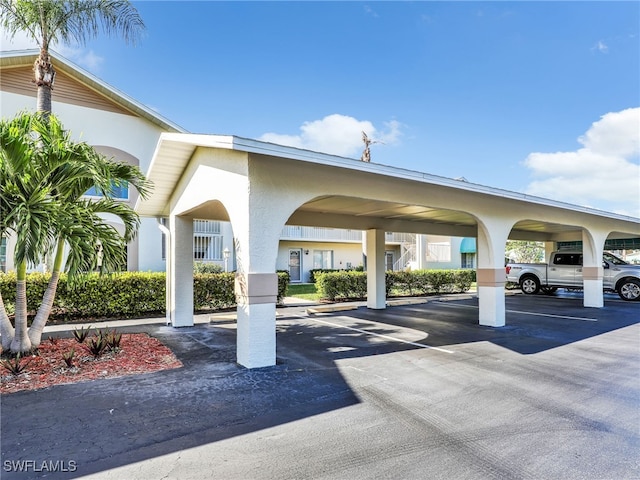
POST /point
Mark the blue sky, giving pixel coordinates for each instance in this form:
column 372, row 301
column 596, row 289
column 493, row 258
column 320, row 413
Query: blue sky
column 534, row 97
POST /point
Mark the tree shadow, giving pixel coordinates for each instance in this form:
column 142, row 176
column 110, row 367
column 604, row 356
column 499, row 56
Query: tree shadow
column 104, row 424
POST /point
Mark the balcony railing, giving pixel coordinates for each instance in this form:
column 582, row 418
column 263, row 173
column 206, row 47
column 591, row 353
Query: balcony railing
column 321, row 234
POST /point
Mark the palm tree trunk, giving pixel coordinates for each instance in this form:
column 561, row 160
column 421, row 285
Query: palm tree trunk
column 6, row 329
column 21, row 342
column 43, row 76
column 37, row 326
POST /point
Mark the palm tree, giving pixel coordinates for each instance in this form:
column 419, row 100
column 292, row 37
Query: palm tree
column 67, row 21
column 24, row 210
column 52, row 173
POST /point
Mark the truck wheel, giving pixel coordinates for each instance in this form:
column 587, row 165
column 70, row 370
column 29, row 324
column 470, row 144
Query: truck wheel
column 530, row 285
column 629, row 289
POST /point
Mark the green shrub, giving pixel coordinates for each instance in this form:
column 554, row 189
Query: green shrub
column 127, row 294
column 342, row 285
column 283, row 283
column 213, row 290
column 316, row 271
column 351, row 284
column 207, row 267
column 313, row 274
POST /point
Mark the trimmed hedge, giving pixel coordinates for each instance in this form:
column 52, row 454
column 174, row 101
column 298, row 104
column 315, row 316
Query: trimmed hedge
column 317, row 271
column 123, row 295
column 342, row 284
column 350, row 285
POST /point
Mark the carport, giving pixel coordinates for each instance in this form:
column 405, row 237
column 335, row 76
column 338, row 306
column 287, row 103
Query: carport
column 261, row 187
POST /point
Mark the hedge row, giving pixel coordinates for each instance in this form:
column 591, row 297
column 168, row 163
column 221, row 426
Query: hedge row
column 350, row 284
column 313, row 273
column 123, row 295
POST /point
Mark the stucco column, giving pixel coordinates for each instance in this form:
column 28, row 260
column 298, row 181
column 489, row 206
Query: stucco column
column 592, row 278
column 491, row 283
column 376, row 287
column 421, row 245
column 180, row 271
column 256, row 297
column 592, row 270
column 491, row 276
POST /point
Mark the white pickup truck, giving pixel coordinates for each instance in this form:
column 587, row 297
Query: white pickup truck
column 564, row 270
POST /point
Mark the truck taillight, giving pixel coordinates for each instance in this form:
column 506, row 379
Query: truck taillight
column 508, row 269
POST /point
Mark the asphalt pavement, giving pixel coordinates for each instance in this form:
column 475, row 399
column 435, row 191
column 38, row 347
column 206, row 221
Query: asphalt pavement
column 416, row 391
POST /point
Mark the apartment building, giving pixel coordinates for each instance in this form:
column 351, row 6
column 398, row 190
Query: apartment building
column 121, row 127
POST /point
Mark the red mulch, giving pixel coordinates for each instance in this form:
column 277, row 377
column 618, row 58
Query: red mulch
column 139, row 353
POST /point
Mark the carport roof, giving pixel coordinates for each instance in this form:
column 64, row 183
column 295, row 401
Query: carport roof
column 175, row 150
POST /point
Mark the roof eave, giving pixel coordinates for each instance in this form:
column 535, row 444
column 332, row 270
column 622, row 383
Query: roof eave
column 26, row 57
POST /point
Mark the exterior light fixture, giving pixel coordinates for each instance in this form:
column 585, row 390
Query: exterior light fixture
column 225, row 254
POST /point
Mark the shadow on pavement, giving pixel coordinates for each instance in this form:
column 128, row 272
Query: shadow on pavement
column 104, row 424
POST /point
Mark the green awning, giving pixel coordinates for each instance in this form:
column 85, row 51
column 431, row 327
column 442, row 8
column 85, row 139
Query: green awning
column 468, row 245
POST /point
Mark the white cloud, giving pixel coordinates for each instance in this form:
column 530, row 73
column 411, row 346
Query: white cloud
column 85, row 58
column 601, row 47
column 19, row 42
column 337, row 134
column 604, row 174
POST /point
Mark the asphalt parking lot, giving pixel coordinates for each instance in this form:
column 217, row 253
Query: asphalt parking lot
column 415, row 391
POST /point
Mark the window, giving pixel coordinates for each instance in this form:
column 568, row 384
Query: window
column 323, row 259
column 3, row 254
column 207, row 240
column 467, row 260
column 121, row 192
column 439, row 252
column 568, row 259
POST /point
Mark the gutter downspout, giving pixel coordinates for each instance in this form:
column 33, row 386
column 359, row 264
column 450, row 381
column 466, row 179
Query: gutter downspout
column 167, row 248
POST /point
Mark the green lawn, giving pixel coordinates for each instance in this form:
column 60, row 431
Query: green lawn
column 306, row 291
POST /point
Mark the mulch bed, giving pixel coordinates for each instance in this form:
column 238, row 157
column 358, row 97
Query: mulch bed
column 138, row 353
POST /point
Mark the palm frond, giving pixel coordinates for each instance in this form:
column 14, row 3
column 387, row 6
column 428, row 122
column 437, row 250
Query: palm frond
column 45, row 176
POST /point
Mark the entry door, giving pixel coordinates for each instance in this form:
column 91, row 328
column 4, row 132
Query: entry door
column 388, row 261
column 295, row 265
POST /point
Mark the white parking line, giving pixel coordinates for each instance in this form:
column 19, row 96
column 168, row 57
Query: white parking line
column 585, row 319
column 421, row 345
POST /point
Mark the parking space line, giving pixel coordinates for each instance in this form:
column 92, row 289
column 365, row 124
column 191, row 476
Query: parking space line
column 421, row 345
column 586, row 319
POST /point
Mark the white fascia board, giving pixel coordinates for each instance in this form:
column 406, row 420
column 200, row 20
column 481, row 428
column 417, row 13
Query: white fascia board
column 265, row 148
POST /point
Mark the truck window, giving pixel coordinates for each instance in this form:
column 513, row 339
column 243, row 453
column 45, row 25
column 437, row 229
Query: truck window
column 567, row 259
column 613, row 259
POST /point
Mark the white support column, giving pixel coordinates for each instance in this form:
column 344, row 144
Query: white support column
column 548, row 248
column 167, row 248
column 592, row 278
column 256, row 296
column 180, row 271
column 592, row 269
column 376, row 286
column 421, row 248
column 491, row 283
column 491, row 276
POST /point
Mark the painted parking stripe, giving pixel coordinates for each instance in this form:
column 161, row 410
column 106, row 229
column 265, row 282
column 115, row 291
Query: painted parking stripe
column 585, row 319
column 387, row 337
